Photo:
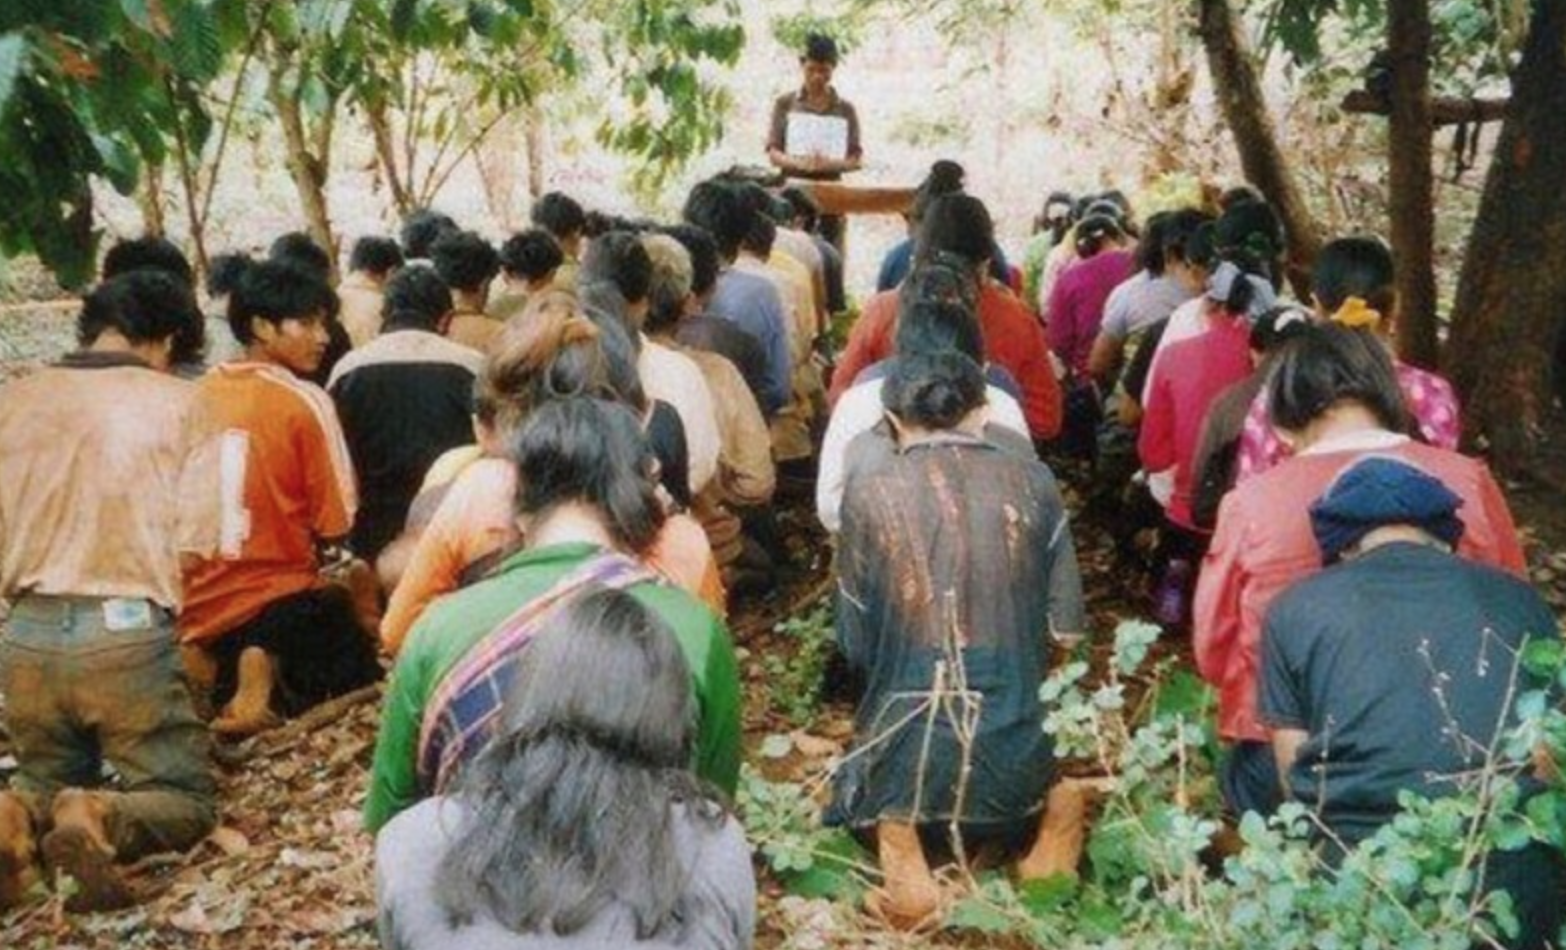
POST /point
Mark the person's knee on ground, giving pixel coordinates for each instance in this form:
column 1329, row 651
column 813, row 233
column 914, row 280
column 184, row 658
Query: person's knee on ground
column 912, row 895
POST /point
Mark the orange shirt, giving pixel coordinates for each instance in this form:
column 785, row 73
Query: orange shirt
column 286, row 481
column 477, row 517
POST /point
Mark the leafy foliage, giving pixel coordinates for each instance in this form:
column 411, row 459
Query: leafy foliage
column 795, row 677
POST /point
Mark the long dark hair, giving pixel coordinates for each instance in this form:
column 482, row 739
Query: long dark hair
column 591, row 451
column 1328, row 364
column 572, row 807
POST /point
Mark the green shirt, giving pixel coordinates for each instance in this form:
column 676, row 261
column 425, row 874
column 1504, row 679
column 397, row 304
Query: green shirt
column 456, row 623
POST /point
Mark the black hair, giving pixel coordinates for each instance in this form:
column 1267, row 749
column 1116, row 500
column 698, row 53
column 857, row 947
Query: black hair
column 945, row 177
column 820, row 48
column 574, row 806
column 533, row 254
column 1238, row 195
column 1278, row 326
column 161, row 255
column 670, row 284
column 1150, row 252
column 559, row 214
column 1355, row 267
column 618, row 258
column 719, row 209
column 1250, row 235
column 941, row 277
column 761, row 236
column 1096, row 232
column 705, row 262
column 224, row 273
column 937, row 326
column 148, row 253
column 1329, row 364
column 416, row 299
column 145, row 305
column 806, row 210
column 465, row 261
column 933, row 390
column 300, row 249
column 421, row 229
column 591, row 451
column 1179, row 231
column 959, row 224
column 275, row 291
column 375, row 255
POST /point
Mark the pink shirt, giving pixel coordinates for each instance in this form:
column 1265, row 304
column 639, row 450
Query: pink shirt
column 1186, row 379
column 1429, row 398
column 1264, row 544
column 1076, row 304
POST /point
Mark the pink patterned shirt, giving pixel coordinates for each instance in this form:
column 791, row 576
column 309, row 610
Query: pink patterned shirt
column 1429, row 398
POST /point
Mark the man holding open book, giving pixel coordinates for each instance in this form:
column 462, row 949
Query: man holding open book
column 815, row 132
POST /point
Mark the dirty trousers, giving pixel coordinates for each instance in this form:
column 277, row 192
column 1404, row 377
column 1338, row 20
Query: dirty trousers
column 79, row 695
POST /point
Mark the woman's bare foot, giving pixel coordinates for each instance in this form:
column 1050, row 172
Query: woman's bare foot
column 911, row 898
column 18, row 851
column 1058, row 848
column 79, row 846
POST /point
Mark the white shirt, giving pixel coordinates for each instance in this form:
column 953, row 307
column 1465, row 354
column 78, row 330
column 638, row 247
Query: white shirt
column 858, row 412
column 676, row 379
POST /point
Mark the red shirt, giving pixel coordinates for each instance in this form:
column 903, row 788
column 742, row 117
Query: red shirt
column 1187, row 378
column 1264, row 544
column 1013, row 340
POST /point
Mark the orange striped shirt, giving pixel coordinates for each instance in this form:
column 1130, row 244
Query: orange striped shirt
column 287, row 481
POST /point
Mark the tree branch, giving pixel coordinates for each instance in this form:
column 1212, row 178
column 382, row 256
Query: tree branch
column 1444, row 110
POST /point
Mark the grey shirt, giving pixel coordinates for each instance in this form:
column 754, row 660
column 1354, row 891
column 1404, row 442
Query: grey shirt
column 408, row 854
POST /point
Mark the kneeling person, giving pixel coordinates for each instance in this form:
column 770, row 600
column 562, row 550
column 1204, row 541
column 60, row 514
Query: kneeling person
column 264, row 628
column 96, row 450
column 1364, row 663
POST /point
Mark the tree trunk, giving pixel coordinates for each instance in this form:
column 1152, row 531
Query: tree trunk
column 305, row 167
column 149, row 197
column 1412, row 182
column 379, row 119
column 1512, row 293
column 535, row 153
column 1245, row 111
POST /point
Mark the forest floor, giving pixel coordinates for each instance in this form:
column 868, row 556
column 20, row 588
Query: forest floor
column 290, row 866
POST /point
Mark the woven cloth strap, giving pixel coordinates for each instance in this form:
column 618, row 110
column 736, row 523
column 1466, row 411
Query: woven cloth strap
column 464, row 710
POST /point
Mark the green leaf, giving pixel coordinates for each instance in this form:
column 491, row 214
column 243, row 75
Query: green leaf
column 1044, row 897
column 196, row 47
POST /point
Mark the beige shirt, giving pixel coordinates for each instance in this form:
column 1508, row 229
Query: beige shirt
column 746, row 475
column 476, row 331
column 99, row 490
column 362, row 305
column 673, row 378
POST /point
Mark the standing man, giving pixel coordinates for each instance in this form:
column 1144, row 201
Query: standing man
column 797, row 156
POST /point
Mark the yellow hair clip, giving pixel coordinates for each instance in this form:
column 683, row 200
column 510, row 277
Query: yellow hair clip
column 1356, row 313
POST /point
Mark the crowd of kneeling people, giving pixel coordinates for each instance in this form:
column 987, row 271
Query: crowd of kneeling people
column 528, row 479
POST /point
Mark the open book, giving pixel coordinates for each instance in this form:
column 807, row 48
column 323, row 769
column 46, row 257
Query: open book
column 808, row 134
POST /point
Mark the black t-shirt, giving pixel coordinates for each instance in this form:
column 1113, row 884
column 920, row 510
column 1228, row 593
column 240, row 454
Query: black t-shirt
column 1397, row 665
column 404, row 400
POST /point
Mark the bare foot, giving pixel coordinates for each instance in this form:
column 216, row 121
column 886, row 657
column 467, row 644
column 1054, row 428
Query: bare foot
column 18, row 851
column 250, row 711
column 1058, row 848
column 910, row 898
column 79, row 846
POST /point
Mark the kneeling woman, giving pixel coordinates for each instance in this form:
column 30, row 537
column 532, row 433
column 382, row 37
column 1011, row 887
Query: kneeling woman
column 589, row 512
column 955, row 566
column 581, row 824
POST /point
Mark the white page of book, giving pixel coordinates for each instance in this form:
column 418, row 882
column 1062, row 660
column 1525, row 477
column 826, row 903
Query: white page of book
column 823, row 135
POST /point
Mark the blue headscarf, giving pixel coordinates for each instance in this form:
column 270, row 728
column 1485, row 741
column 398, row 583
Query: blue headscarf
column 1376, row 493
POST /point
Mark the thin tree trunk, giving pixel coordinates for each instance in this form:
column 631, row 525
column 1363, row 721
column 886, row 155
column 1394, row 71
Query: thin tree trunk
column 305, row 167
column 1245, row 111
column 1512, row 293
column 379, row 119
column 1412, row 182
column 149, row 198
